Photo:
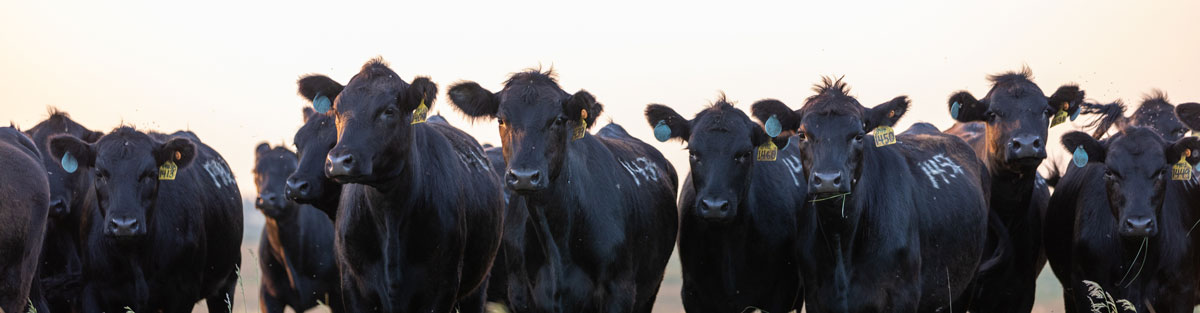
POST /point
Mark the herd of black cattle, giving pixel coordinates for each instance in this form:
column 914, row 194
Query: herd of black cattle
column 385, row 208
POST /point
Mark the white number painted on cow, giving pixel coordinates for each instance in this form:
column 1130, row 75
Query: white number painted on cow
column 794, row 166
column 641, row 167
column 940, row 168
column 471, row 159
column 216, row 170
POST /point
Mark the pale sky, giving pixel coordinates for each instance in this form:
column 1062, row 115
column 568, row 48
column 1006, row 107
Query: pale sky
column 227, row 69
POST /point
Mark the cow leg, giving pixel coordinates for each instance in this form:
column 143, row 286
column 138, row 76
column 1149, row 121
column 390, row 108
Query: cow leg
column 268, row 303
column 619, row 293
column 89, row 302
column 222, row 300
column 476, row 301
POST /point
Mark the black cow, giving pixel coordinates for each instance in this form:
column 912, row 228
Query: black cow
column 602, row 216
column 296, row 247
column 738, row 212
column 1129, row 227
column 167, row 229
column 308, row 185
column 60, row 269
column 899, row 227
column 419, row 219
column 1016, row 115
column 24, row 209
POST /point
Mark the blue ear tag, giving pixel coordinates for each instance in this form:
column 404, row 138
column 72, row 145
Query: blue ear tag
column 69, row 163
column 1081, row 157
column 322, row 104
column 1075, row 115
column 954, row 109
column 773, row 127
column 662, row 132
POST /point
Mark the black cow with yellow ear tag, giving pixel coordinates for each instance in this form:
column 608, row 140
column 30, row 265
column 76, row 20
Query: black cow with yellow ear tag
column 738, row 209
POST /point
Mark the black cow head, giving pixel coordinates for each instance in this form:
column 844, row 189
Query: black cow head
column 1018, row 117
column 831, row 127
column 67, row 189
column 127, row 164
column 373, row 115
column 722, row 142
column 1157, row 113
column 308, row 184
column 537, row 120
column 1137, row 167
column 272, row 166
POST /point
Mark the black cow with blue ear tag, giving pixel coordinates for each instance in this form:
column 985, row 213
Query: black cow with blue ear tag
column 1016, row 116
column 167, row 228
column 308, row 184
column 602, row 214
column 24, row 206
column 1130, row 197
column 899, row 221
column 420, row 216
column 738, row 209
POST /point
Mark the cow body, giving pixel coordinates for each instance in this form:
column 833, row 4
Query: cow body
column 296, row 247
column 185, row 245
column 24, row 209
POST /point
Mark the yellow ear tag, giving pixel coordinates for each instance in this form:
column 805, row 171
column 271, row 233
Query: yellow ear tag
column 884, row 135
column 167, row 171
column 767, row 151
column 1182, row 170
column 419, row 113
column 582, row 128
column 1059, row 118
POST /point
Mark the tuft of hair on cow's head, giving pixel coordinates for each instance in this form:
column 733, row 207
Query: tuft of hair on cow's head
column 374, row 117
column 1018, row 115
column 830, row 130
column 538, row 120
column 722, row 145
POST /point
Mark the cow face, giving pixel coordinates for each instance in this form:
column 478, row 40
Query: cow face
column 831, row 133
column 721, row 148
column 373, row 117
column 1018, row 117
column 1157, row 113
column 1137, row 166
column 537, row 120
column 308, row 184
column 272, row 166
column 126, row 164
column 67, row 189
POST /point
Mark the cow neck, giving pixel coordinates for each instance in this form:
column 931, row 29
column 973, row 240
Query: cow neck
column 553, row 209
column 407, row 182
column 1011, row 195
column 281, row 242
column 329, row 201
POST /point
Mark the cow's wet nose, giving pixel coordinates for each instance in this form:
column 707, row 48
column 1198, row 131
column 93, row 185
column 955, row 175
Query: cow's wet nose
column 339, row 164
column 714, row 209
column 523, row 179
column 296, row 189
column 58, row 206
column 827, row 182
column 123, row 227
column 1027, row 147
column 1139, row 226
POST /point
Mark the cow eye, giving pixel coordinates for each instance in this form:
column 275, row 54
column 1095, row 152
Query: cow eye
column 560, row 120
column 101, row 174
column 990, row 116
column 147, row 175
column 500, row 121
column 1048, row 112
column 693, row 157
column 858, row 138
column 741, row 157
column 802, row 136
column 389, row 113
column 1109, row 174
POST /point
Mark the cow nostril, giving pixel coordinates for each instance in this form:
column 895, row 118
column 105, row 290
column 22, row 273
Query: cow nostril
column 1037, row 143
column 535, row 177
column 837, row 181
column 1015, row 144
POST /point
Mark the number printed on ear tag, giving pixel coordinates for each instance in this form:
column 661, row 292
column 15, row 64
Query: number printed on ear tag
column 420, row 113
column 1080, row 157
column 767, row 152
column 1182, row 170
column 884, row 135
column 167, row 171
column 580, row 130
column 1059, row 118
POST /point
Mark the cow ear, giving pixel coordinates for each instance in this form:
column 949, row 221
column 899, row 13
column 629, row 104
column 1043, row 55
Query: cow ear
column 179, row 150
column 1189, row 146
column 673, row 125
column 965, row 108
column 315, row 85
column 262, row 148
column 83, row 152
column 308, row 113
column 1076, row 139
column 422, row 90
column 763, row 110
column 887, row 113
column 578, row 103
column 473, row 100
column 1070, row 95
column 1189, row 114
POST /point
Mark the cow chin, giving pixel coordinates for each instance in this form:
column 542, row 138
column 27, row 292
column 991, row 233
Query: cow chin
column 1024, row 165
